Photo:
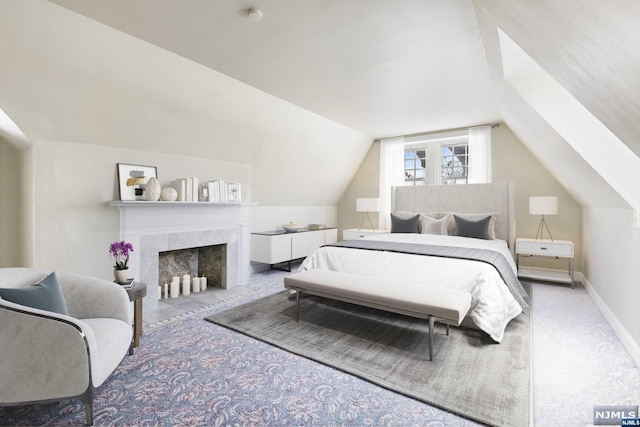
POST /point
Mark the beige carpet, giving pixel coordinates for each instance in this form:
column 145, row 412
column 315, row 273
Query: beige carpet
column 470, row 375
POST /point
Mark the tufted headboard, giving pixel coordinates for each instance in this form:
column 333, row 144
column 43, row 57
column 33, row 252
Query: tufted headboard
column 470, row 198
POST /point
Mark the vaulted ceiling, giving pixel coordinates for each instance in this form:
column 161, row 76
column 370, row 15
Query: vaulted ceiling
column 373, row 68
column 381, row 67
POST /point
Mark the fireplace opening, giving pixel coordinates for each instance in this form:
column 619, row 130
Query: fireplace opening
column 205, row 261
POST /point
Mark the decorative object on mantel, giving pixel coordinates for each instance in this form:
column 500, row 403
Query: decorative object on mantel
column 132, row 180
column 168, row 194
column 292, row 227
column 233, row 192
column 203, row 193
column 120, row 252
column 152, row 191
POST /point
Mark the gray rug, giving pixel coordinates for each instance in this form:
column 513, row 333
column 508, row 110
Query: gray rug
column 470, row 374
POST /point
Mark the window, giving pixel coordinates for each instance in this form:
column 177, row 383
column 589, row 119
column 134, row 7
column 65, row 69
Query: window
column 452, row 157
column 454, row 165
column 415, row 166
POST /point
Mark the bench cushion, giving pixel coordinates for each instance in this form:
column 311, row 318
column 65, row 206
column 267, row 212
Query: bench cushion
column 411, row 299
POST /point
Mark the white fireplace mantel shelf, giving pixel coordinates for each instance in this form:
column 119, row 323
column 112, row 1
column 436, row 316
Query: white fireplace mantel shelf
column 142, row 203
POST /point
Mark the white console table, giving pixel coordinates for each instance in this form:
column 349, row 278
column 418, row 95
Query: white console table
column 279, row 246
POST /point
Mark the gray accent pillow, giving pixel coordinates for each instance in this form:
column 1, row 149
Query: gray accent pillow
column 409, row 225
column 476, row 229
column 430, row 225
column 451, row 227
column 44, row 295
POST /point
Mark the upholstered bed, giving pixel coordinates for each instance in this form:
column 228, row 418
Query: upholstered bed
column 434, row 258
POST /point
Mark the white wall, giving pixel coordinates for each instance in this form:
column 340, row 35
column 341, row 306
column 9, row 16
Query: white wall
column 10, row 242
column 511, row 162
column 89, row 96
column 590, row 59
column 74, row 183
column 612, row 268
column 73, row 79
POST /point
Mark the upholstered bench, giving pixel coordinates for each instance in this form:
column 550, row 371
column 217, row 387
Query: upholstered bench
column 442, row 305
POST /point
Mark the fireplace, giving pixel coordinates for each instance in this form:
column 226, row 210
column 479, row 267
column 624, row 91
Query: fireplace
column 155, row 228
column 205, row 261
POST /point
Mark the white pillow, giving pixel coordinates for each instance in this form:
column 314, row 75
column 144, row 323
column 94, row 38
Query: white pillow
column 451, row 223
column 431, row 225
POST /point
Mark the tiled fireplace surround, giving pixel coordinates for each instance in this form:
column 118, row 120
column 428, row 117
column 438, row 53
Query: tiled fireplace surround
column 155, row 227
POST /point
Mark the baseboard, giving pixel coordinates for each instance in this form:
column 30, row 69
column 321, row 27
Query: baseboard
column 625, row 338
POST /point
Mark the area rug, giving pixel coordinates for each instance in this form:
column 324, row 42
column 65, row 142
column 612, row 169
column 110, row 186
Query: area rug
column 470, row 375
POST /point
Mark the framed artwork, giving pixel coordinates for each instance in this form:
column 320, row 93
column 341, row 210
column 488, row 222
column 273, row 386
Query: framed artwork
column 233, row 192
column 132, row 180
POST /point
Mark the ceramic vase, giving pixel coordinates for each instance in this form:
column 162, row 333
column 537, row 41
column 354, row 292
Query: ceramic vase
column 168, row 194
column 152, row 190
column 121, row 276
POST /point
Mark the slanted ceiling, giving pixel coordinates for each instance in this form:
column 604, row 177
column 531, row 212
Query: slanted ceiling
column 359, row 69
column 589, row 49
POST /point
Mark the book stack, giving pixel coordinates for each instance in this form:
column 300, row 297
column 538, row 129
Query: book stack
column 217, row 191
column 187, row 189
column 316, row 226
column 224, row 192
column 127, row 285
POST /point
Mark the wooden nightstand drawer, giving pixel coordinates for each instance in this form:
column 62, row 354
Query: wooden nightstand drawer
column 556, row 248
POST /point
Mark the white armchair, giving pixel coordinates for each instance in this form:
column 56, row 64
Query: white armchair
column 46, row 356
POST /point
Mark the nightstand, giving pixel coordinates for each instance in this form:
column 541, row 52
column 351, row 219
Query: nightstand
column 354, row 233
column 557, row 249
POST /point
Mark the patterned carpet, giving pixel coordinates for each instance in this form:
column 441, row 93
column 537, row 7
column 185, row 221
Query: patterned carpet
column 192, row 372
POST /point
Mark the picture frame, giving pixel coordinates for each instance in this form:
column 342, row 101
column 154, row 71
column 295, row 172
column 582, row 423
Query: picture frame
column 233, row 192
column 132, row 180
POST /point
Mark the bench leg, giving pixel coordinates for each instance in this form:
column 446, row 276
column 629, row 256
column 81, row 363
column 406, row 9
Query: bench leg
column 447, row 329
column 432, row 322
column 297, row 304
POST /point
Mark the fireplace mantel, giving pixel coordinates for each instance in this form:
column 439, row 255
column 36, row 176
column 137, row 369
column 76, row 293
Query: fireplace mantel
column 153, row 227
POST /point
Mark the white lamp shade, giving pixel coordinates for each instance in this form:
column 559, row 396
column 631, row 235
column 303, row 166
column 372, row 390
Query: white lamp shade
column 367, row 205
column 547, row 205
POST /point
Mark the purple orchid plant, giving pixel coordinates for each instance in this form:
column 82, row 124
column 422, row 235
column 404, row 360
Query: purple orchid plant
column 120, row 252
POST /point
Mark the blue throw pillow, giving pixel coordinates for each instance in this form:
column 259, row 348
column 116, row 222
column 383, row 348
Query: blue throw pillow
column 44, row 295
column 409, row 225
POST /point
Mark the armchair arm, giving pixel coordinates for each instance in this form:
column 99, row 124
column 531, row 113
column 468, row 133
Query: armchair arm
column 43, row 355
column 89, row 297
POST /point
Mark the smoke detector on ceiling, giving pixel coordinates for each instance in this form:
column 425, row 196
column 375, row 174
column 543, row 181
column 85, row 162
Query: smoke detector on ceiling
column 255, row 15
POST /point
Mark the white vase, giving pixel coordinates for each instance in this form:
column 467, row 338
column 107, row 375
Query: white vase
column 152, row 190
column 121, row 276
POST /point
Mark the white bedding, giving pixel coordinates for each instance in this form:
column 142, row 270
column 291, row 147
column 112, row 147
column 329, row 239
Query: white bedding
column 492, row 304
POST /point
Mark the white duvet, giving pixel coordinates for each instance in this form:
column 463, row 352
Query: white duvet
column 492, row 304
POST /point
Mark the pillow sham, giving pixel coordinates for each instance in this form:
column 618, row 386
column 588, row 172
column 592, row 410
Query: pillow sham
column 477, row 229
column 44, row 295
column 407, row 215
column 408, row 225
column 451, row 226
column 431, row 225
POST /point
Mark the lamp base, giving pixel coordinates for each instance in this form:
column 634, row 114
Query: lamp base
column 541, row 227
column 366, row 218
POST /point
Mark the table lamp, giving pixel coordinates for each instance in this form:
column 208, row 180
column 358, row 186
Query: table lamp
column 367, row 205
column 545, row 205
